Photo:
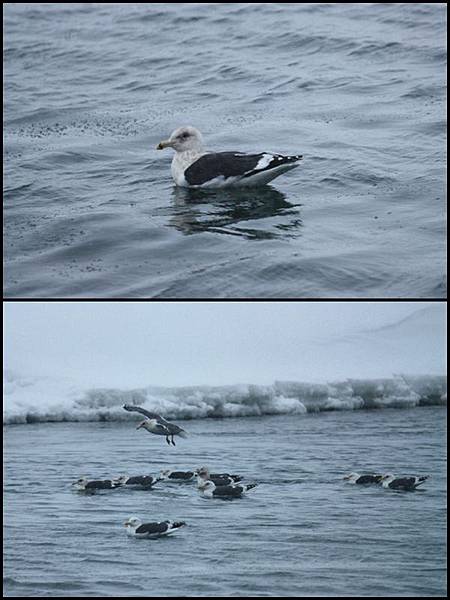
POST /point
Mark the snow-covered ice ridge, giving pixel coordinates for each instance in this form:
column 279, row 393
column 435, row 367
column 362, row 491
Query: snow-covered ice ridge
column 43, row 399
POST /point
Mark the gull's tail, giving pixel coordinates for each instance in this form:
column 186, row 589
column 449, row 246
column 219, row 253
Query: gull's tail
column 183, row 433
column 421, row 480
column 250, row 486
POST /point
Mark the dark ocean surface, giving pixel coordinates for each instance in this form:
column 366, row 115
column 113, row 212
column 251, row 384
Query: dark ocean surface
column 89, row 204
column 302, row 532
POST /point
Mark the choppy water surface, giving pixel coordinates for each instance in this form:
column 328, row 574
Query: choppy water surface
column 302, row 531
column 90, row 207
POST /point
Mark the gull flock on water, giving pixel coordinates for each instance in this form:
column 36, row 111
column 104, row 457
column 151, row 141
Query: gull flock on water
column 223, row 486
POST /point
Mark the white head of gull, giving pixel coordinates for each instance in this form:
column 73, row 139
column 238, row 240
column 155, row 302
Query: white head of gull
column 184, row 139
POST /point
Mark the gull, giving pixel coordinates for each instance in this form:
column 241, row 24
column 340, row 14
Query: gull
column 210, row 490
column 177, row 475
column 138, row 481
column 83, row 484
column 402, row 483
column 193, row 166
column 136, row 528
column 157, row 424
column 203, row 474
column 363, row 479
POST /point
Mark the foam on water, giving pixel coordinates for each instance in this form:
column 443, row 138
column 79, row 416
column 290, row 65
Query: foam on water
column 39, row 399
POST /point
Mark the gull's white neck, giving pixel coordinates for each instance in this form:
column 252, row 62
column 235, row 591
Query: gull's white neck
column 182, row 160
column 151, row 425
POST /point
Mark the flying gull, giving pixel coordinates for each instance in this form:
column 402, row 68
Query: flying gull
column 83, row 485
column 193, row 166
column 363, row 479
column 203, row 474
column 157, row 424
column 402, row 483
column 210, row 490
column 136, row 528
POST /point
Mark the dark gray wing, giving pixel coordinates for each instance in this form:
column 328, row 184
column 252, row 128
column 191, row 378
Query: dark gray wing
column 403, row 482
column 228, row 490
column 231, row 164
column 181, row 475
column 152, row 528
column 99, row 485
column 144, row 412
column 368, row 479
column 233, row 477
column 170, row 427
column 219, row 480
column 141, row 480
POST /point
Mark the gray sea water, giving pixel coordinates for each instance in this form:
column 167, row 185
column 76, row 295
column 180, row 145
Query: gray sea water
column 301, row 532
column 90, row 207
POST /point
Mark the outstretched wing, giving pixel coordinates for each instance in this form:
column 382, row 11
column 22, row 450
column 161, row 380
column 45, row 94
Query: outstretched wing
column 163, row 425
column 147, row 413
column 144, row 412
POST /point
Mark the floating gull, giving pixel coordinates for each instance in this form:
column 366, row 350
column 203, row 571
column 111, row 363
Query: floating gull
column 402, row 483
column 177, row 475
column 363, row 479
column 193, row 166
column 136, row 528
column 83, row 484
column 203, row 474
column 157, row 424
column 210, row 490
column 138, row 481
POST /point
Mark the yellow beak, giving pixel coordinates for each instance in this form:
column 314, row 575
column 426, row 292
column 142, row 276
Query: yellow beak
column 164, row 144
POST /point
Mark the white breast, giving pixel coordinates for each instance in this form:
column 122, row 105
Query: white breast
column 180, row 162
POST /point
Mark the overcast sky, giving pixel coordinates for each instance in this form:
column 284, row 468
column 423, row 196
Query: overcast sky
column 127, row 344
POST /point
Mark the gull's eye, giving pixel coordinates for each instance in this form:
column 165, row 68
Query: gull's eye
column 184, row 135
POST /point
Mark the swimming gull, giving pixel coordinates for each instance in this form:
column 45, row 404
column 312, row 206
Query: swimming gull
column 211, row 490
column 138, row 481
column 193, row 166
column 363, row 479
column 83, row 484
column 156, row 424
column 136, row 528
column 177, row 475
column 402, row 483
column 203, row 474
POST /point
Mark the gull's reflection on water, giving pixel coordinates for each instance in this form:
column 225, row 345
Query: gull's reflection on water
column 222, row 210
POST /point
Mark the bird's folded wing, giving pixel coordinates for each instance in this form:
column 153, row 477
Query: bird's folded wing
column 152, row 528
column 233, row 164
